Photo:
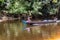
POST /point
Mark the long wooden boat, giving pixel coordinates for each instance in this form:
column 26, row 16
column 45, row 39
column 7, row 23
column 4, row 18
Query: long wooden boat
column 43, row 22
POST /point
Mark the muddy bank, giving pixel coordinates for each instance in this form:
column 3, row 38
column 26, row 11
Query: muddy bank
column 5, row 18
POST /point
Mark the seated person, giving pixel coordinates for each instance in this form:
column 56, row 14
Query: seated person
column 24, row 21
column 28, row 19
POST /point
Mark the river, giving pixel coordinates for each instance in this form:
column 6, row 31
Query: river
column 12, row 30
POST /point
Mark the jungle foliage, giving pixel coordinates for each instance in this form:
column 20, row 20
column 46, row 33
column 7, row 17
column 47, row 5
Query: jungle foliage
column 29, row 6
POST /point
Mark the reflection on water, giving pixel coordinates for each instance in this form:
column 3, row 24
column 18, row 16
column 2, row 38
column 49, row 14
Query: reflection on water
column 12, row 30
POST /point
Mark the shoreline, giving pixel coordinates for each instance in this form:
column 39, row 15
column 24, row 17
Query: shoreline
column 8, row 19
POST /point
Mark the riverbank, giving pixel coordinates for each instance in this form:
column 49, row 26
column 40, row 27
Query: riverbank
column 4, row 18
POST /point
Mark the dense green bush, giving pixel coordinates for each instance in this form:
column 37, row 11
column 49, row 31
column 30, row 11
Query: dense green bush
column 24, row 6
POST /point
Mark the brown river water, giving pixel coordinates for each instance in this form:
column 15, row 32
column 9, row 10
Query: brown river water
column 12, row 30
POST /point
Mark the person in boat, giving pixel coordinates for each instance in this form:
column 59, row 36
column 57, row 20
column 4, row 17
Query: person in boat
column 24, row 21
column 29, row 19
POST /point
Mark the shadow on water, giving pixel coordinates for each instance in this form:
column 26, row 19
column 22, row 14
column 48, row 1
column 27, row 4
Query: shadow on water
column 12, row 30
